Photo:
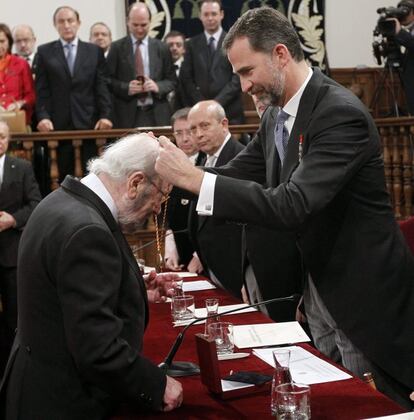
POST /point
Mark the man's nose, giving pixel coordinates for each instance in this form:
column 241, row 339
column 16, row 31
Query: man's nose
column 246, row 85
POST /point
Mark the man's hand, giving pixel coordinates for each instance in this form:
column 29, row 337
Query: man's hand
column 195, row 266
column 15, row 106
column 172, row 262
column 160, row 286
column 7, row 221
column 150, row 85
column 135, row 87
column 173, row 395
column 174, row 167
column 45, row 125
column 245, row 297
column 412, row 396
column 103, row 124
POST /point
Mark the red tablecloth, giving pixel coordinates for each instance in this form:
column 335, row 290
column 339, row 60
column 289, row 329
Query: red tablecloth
column 348, row 399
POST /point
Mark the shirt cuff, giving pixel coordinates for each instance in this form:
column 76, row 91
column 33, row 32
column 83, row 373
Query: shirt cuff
column 205, row 203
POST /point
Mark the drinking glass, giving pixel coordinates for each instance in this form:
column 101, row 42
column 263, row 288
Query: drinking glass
column 212, row 306
column 292, row 402
column 222, row 334
column 281, row 374
column 182, row 307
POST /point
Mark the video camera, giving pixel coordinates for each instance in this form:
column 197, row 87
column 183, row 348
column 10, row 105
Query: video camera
column 384, row 45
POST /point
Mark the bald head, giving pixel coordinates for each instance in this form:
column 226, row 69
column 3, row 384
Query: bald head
column 24, row 40
column 209, row 125
column 138, row 20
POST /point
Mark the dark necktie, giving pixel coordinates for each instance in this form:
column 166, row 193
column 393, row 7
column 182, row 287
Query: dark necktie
column 139, row 62
column 211, row 49
column 281, row 134
column 70, row 57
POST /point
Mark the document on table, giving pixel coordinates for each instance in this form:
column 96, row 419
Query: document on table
column 259, row 335
column 202, row 312
column 403, row 416
column 231, row 385
column 305, row 367
column 197, row 285
column 185, row 274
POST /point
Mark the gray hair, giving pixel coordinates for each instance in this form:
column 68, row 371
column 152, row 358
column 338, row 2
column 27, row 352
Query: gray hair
column 264, row 28
column 135, row 152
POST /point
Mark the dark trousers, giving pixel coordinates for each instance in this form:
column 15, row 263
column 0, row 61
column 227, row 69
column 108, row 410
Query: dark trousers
column 8, row 320
column 144, row 116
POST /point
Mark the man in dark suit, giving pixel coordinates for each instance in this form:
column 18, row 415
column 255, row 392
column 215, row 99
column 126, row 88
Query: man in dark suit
column 19, row 195
column 359, row 296
column 83, row 304
column 141, row 74
column 206, row 72
column 71, row 87
column 217, row 242
column 179, row 250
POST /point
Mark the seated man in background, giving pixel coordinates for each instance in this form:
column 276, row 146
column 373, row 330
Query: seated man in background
column 217, row 242
column 179, row 251
column 83, row 304
column 19, row 195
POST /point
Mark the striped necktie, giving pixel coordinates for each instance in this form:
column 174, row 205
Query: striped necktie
column 281, row 134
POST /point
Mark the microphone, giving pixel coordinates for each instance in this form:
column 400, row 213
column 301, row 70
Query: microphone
column 179, row 369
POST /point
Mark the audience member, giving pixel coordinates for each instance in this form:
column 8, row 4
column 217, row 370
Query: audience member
column 25, row 42
column 19, row 196
column 16, row 82
column 179, row 250
column 217, row 243
column 100, row 34
column 176, row 43
column 82, row 300
column 206, row 72
column 141, row 74
column 71, row 86
column 330, row 191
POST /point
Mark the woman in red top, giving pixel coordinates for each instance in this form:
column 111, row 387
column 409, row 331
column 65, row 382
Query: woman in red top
column 16, row 81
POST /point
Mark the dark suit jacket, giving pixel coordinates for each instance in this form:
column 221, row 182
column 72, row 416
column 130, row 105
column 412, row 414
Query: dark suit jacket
column 217, row 81
column 19, row 195
column 76, row 102
column 122, row 70
column 407, row 40
column 336, row 202
column 82, row 314
column 177, row 213
column 216, row 240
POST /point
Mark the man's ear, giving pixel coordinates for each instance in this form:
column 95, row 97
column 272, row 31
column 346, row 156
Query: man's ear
column 134, row 181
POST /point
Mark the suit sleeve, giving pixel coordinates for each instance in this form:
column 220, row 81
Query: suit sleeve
column 118, row 87
column 406, row 39
column 229, row 91
column 169, row 79
column 30, row 196
column 103, row 96
column 187, row 79
column 339, row 146
column 89, row 281
column 43, row 93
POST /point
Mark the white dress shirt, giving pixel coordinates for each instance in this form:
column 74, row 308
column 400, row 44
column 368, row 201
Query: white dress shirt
column 74, row 44
column 216, row 37
column 2, row 159
column 205, row 203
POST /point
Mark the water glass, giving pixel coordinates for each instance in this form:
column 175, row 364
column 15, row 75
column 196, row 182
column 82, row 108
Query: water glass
column 182, row 307
column 292, row 402
column 212, row 306
column 222, row 334
column 281, row 374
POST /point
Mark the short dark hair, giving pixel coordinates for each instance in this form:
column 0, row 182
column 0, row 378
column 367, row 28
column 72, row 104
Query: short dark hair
column 211, row 1
column 6, row 30
column 264, row 28
column 65, row 7
column 175, row 33
column 181, row 114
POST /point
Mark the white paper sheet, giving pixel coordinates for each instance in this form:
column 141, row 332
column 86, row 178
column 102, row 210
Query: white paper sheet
column 305, row 367
column 230, row 385
column 403, row 416
column 197, row 285
column 259, row 335
column 202, row 312
column 185, row 274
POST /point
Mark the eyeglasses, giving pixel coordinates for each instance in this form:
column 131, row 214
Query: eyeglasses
column 165, row 195
column 180, row 133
